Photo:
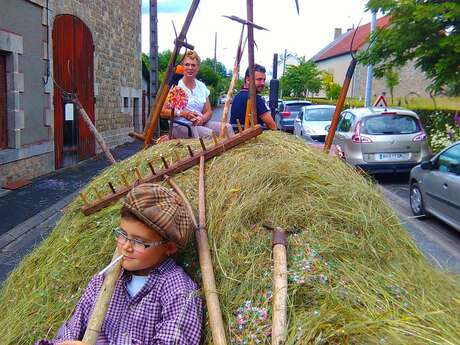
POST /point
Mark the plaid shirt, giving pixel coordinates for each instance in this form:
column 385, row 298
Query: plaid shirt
column 167, row 310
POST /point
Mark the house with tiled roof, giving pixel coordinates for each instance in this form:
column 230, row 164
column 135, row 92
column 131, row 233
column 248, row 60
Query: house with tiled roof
column 336, row 56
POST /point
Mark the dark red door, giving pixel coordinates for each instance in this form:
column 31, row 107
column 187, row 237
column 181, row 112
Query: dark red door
column 73, row 71
column 3, row 115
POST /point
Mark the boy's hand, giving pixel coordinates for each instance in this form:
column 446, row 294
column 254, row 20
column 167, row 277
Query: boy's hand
column 72, row 342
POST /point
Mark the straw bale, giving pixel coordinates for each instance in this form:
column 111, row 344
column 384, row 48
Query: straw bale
column 355, row 276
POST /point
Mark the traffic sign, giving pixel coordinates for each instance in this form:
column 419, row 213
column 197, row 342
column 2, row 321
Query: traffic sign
column 381, row 102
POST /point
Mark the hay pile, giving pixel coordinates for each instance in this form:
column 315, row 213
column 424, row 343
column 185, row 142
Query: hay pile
column 355, row 276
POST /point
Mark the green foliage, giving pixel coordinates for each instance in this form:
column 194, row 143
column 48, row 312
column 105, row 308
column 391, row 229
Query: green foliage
column 441, row 126
column 163, row 60
column 334, row 91
column 391, row 80
column 146, row 61
column 208, row 76
column 299, row 80
column 424, row 31
column 219, row 68
column 332, row 88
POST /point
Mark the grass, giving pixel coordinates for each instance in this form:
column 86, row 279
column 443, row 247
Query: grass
column 355, row 276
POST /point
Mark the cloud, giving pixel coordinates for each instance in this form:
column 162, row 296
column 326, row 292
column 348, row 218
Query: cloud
column 168, row 6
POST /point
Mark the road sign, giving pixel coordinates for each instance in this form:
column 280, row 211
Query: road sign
column 381, row 102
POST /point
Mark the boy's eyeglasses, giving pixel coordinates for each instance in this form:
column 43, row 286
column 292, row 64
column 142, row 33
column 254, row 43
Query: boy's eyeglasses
column 137, row 244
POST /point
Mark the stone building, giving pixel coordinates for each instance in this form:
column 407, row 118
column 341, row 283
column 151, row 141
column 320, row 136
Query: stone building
column 335, row 59
column 49, row 47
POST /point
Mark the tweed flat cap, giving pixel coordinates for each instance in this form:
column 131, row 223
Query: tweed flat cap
column 162, row 210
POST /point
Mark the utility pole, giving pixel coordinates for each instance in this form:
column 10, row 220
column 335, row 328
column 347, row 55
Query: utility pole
column 215, row 51
column 154, row 56
column 370, row 68
column 284, row 61
column 284, row 70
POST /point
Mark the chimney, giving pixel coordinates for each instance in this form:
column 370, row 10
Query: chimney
column 337, row 32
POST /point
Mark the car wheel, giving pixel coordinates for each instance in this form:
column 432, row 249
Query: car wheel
column 416, row 200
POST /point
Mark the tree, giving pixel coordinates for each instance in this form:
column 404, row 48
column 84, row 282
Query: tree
column 220, row 67
column 163, row 60
column 391, row 79
column 146, row 61
column 331, row 88
column 424, row 31
column 301, row 79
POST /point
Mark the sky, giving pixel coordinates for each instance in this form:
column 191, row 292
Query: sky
column 303, row 35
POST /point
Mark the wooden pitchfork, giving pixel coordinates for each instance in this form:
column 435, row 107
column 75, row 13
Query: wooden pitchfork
column 204, row 253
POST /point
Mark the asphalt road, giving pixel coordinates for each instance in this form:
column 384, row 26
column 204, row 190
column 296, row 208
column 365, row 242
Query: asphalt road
column 439, row 242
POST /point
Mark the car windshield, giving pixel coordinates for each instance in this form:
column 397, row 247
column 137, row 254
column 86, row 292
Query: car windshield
column 295, row 106
column 390, row 124
column 324, row 114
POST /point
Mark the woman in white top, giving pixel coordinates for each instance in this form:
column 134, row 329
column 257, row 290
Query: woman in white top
column 198, row 111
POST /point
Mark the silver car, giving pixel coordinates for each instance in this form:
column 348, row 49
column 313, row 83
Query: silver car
column 435, row 186
column 287, row 113
column 313, row 122
column 381, row 140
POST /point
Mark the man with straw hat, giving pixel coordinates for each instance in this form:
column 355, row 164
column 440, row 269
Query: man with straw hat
column 154, row 301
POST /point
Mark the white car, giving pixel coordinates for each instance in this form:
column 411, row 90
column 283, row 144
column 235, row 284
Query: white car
column 313, row 122
column 222, row 99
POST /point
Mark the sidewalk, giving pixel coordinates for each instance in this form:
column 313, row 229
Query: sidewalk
column 28, row 214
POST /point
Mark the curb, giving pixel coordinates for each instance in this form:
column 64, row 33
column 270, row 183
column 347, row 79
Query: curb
column 33, row 224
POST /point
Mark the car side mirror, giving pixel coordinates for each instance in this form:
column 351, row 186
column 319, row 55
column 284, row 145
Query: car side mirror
column 427, row 165
column 456, row 169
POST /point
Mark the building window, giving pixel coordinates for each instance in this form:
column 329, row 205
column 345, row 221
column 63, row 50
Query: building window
column 3, row 112
column 125, row 102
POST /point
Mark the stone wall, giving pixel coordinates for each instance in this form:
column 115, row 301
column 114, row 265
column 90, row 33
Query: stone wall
column 411, row 80
column 23, row 37
column 27, row 168
column 116, row 30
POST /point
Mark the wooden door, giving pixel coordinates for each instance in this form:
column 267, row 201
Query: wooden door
column 73, row 67
column 3, row 114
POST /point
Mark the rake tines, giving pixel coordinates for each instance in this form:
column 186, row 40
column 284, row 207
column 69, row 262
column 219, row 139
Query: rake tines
column 169, row 169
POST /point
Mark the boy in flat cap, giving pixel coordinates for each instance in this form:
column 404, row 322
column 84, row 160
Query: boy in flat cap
column 155, row 301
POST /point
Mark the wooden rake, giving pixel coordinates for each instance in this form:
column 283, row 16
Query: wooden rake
column 180, row 165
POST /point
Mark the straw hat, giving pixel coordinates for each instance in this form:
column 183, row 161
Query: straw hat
column 162, row 210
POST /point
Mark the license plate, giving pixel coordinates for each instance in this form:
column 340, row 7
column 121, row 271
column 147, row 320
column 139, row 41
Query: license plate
column 392, row 156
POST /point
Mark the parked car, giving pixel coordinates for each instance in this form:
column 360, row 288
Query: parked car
column 286, row 114
column 313, row 122
column 223, row 99
column 435, row 186
column 381, row 140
